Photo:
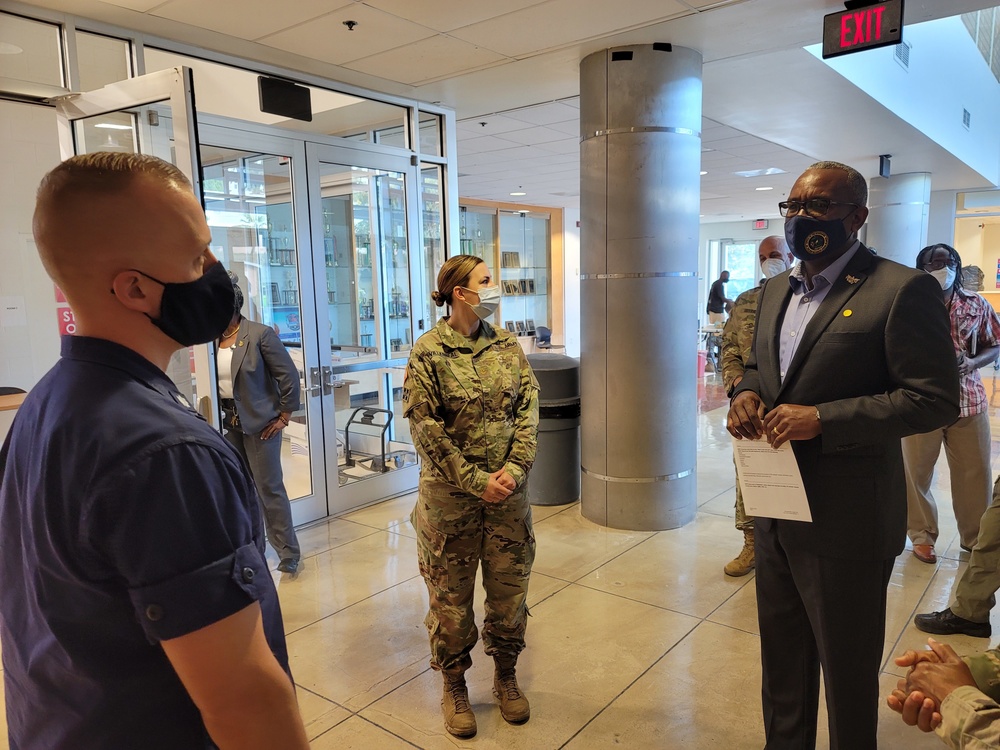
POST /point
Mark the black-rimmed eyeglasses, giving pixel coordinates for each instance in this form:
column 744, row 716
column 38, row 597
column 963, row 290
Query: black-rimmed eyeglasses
column 814, row 207
column 937, row 265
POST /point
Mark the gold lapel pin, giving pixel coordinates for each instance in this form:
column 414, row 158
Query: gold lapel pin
column 852, row 279
column 848, row 313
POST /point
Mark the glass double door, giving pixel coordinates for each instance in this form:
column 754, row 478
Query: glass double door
column 319, row 236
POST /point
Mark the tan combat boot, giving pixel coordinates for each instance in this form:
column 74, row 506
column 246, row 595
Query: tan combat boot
column 513, row 705
column 458, row 717
column 744, row 562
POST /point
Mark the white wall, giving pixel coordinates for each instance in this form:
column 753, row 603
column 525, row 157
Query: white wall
column 29, row 329
column 571, row 271
column 946, row 75
column 941, row 217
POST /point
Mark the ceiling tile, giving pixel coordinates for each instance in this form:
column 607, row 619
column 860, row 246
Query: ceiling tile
column 444, row 15
column 535, row 136
column 427, row 60
column 545, row 114
column 140, row 5
column 329, row 40
column 483, row 144
column 560, row 22
column 495, row 124
column 246, row 19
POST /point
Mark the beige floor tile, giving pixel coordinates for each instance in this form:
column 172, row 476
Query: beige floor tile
column 361, row 653
column 386, row 514
column 357, row 734
column 541, row 512
column 704, row 693
column 911, row 580
column 570, row 546
column 540, row 587
column 319, row 714
column 692, row 582
column 584, row 648
column 740, row 610
column 326, row 535
column 354, row 571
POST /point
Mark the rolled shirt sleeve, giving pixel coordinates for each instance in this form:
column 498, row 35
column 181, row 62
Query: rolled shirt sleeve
column 181, row 527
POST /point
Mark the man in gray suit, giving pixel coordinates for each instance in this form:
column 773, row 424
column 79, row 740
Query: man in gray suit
column 259, row 389
column 851, row 353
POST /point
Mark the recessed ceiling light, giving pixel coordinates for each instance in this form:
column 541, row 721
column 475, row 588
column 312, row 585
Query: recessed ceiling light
column 6, row 48
column 518, row 193
column 704, row 172
column 112, row 126
column 764, row 188
column 760, row 172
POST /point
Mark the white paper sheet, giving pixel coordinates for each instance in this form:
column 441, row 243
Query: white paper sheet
column 770, row 481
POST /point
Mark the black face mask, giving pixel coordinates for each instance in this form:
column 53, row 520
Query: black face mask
column 196, row 312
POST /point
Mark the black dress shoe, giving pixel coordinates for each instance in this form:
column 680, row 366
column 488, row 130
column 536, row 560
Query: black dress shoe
column 946, row 622
column 289, row 566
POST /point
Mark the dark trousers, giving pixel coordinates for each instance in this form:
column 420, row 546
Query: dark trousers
column 819, row 611
column 263, row 457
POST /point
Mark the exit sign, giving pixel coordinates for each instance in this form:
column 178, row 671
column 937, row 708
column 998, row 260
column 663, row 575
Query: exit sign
column 874, row 25
column 760, row 223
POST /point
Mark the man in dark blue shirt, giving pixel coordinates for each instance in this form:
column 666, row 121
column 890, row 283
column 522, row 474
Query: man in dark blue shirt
column 136, row 608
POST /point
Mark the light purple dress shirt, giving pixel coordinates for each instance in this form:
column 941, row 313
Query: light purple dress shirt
column 805, row 302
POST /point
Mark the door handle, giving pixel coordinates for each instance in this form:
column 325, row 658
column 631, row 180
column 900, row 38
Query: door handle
column 316, row 389
column 327, row 380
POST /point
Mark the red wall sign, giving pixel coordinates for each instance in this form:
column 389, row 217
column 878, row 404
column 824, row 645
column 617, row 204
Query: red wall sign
column 876, row 25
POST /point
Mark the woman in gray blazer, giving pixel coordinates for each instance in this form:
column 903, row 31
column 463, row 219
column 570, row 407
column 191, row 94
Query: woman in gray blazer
column 259, row 389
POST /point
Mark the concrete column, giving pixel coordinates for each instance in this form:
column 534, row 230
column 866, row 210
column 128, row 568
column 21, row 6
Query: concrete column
column 899, row 207
column 640, row 156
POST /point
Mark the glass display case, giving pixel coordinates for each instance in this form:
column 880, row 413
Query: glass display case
column 516, row 242
column 524, row 271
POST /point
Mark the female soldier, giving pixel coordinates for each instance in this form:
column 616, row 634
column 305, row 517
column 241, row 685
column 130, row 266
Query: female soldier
column 472, row 402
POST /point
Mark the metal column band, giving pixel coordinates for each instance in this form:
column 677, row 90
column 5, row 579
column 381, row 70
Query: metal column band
column 642, row 129
column 643, row 275
column 637, row 480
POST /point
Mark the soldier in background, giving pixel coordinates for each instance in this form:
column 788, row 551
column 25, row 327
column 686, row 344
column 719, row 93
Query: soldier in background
column 955, row 697
column 737, row 339
column 472, row 402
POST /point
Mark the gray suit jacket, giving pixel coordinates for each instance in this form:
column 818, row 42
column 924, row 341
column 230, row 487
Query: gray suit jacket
column 878, row 362
column 265, row 380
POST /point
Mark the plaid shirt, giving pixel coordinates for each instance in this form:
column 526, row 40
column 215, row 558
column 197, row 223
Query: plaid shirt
column 972, row 318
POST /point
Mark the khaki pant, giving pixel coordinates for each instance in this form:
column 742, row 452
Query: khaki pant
column 454, row 532
column 714, row 318
column 974, row 595
column 967, row 448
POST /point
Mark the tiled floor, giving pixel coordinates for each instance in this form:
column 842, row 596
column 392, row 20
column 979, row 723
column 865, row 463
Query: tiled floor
column 636, row 639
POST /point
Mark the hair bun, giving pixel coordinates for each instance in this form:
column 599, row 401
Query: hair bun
column 438, row 298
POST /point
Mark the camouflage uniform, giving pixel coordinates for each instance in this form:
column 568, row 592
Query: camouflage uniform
column 970, row 717
column 737, row 340
column 473, row 409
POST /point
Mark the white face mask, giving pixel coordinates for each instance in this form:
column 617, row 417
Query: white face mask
column 945, row 277
column 489, row 300
column 772, row 267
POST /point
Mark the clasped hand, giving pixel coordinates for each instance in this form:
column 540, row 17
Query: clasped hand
column 748, row 420
column 933, row 675
column 499, row 487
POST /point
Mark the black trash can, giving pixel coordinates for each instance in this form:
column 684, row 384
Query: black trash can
column 555, row 476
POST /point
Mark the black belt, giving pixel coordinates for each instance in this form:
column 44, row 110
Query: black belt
column 228, row 403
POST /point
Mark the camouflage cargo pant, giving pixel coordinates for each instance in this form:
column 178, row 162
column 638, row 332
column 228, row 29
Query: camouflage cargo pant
column 743, row 521
column 454, row 532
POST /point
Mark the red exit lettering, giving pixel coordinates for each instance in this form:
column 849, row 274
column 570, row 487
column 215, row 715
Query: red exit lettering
column 867, row 27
